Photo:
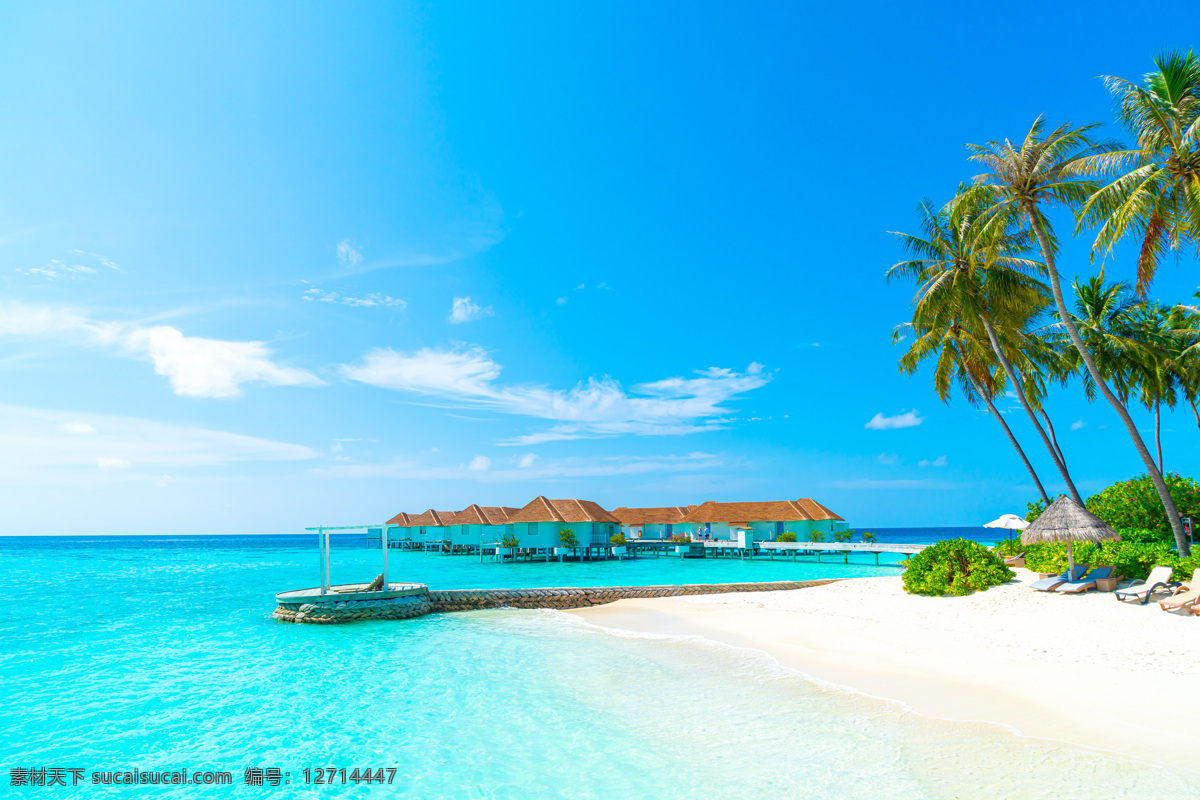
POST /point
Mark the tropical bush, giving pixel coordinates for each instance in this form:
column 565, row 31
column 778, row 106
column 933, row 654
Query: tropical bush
column 681, row 538
column 955, row 567
column 786, row 536
column 1129, row 559
column 868, row 537
column 567, row 538
column 617, row 540
column 843, row 536
column 816, row 536
column 1135, row 503
column 509, row 540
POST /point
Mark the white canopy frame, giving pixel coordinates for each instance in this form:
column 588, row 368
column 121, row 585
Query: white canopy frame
column 323, row 546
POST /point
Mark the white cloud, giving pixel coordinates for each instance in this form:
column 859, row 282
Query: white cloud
column 76, row 427
column 905, row 419
column 1078, row 424
column 348, row 254
column 545, row 470
column 527, row 461
column 194, row 366
column 479, row 463
column 41, row 444
column 887, row 458
column 597, row 407
column 940, row 461
column 868, row 483
column 562, row 301
column 108, row 462
column 57, row 269
column 372, row 300
column 464, row 310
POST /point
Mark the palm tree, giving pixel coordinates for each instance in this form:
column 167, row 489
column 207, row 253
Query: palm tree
column 968, row 267
column 964, row 359
column 1158, row 199
column 1160, row 371
column 1048, row 168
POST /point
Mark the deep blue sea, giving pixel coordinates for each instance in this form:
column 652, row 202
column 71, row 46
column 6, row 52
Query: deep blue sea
column 159, row 653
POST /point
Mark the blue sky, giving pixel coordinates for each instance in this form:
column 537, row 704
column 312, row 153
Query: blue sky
column 273, row 266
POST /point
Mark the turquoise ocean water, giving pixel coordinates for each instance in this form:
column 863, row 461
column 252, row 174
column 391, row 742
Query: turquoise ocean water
column 158, row 653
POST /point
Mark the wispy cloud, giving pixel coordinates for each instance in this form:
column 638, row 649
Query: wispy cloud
column 194, row 366
column 373, row 300
column 57, row 269
column 348, row 254
column 887, row 458
column 41, row 444
column 598, row 407
column 1078, row 425
column 905, row 419
column 868, row 483
column 463, row 310
column 940, row 461
column 517, row 470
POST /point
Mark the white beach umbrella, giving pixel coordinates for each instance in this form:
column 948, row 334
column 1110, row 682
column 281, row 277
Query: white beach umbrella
column 1010, row 521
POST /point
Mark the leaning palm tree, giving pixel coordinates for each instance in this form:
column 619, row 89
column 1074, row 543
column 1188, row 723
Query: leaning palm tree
column 1156, row 199
column 1049, row 168
column 963, row 357
column 969, row 268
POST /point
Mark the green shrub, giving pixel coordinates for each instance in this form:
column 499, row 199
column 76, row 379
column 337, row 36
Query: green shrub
column 816, row 536
column 955, row 567
column 508, row 540
column 681, row 538
column 617, row 540
column 567, row 538
column 843, row 536
column 1135, row 504
column 786, row 536
column 868, row 537
column 1128, row 559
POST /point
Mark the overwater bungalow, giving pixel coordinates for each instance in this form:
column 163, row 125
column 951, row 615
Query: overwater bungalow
column 654, row 523
column 537, row 525
column 766, row 519
column 477, row 524
column 431, row 526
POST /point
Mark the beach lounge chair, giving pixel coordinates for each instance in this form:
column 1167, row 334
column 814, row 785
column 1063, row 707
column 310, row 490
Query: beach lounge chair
column 1185, row 597
column 1159, row 578
column 1085, row 583
column 1048, row 584
column 1016, row 561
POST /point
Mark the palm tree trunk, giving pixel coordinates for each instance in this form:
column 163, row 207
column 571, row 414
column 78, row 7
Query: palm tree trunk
column 1020, row 390
column 979, row 391
column 1164, row 494
column 1158, row 434
column 1053, row 438
column 1196, row 412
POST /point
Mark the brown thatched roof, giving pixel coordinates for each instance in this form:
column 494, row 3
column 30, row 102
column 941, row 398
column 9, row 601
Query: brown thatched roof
column 651, row 516
column 803, row 509
column 542, row 510
column 1065, row 520
column 402, row 519
column 436, row 519
column 482, row 515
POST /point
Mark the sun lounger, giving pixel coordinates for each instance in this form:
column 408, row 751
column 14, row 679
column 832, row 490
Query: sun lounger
column 1016, row 561
column 1048, row 584
column 1087, row 582
column 1159, row 578
column 1185, row 597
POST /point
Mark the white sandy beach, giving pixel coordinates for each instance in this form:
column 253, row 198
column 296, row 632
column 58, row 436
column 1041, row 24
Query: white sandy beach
column 1083, row 669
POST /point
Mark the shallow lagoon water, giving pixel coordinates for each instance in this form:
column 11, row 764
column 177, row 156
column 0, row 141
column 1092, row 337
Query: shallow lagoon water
column 159, row 653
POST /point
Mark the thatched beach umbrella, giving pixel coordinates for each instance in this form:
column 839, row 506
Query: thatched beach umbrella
column 1067, row 521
